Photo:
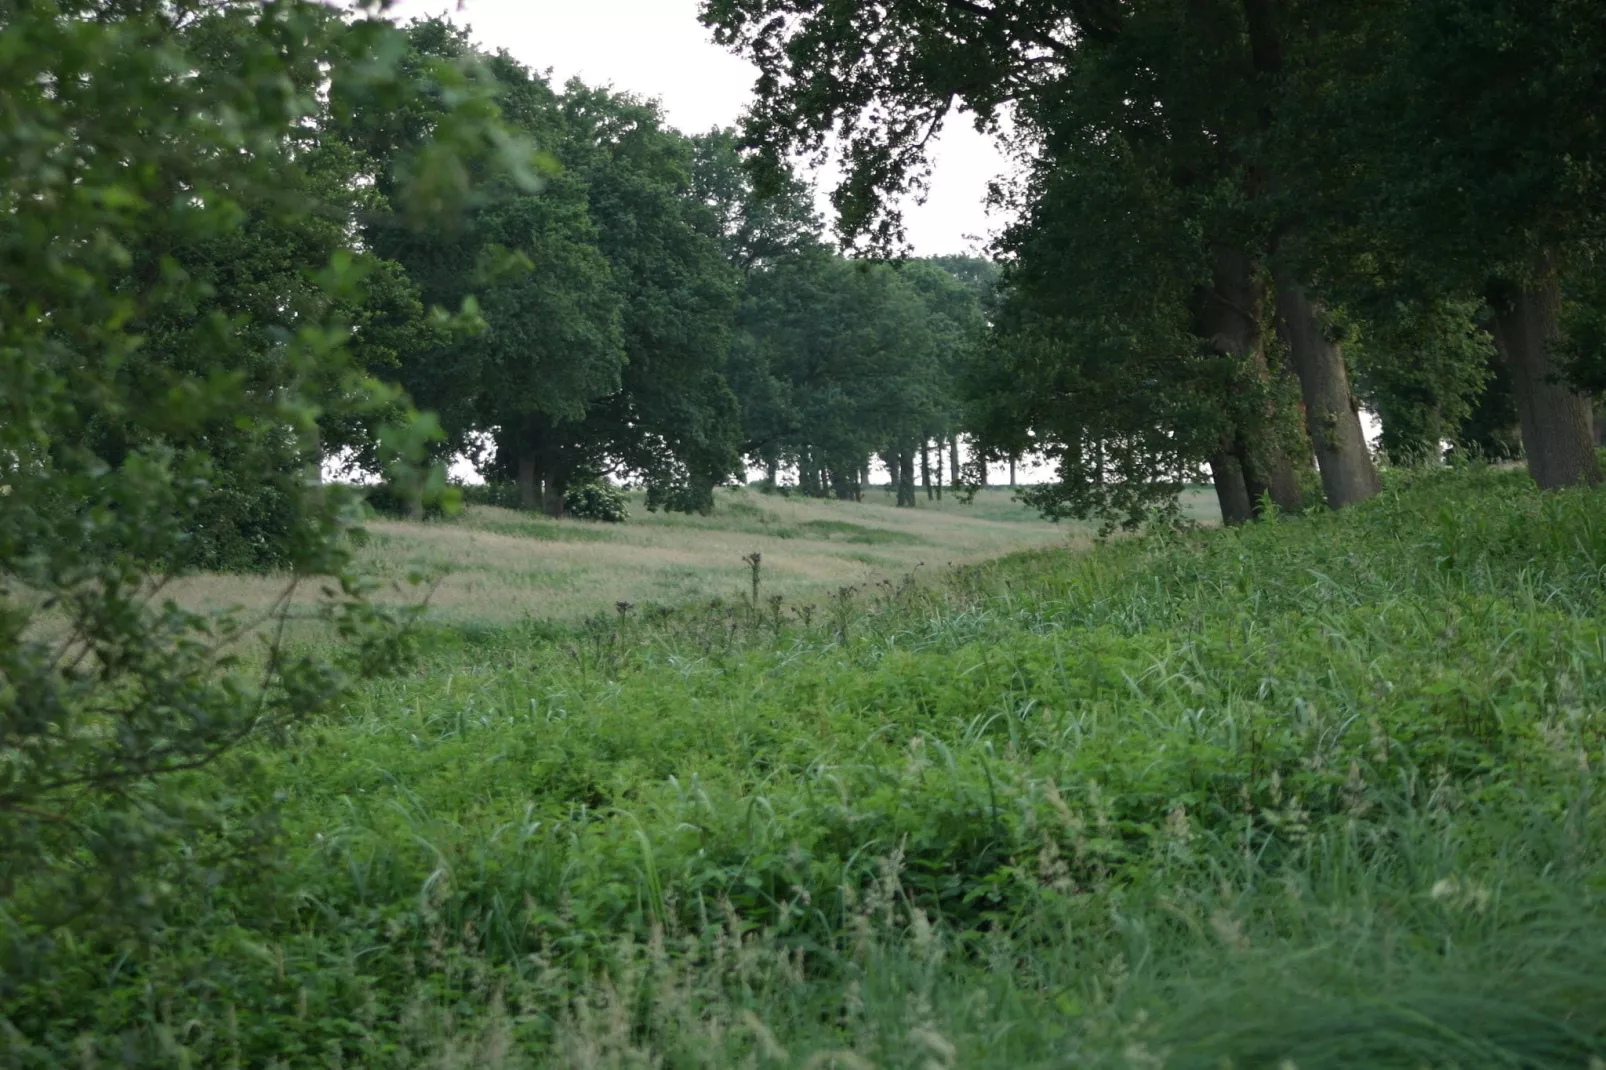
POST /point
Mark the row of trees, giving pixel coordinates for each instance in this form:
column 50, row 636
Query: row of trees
column 649, row 312
column 1234, row 215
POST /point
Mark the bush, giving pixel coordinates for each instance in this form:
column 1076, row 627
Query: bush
column 689, row 499
column 389, row 500
column 596, row 501
column 503, row 495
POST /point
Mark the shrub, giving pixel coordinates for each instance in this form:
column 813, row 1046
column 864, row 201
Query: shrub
column 388, row 500
column 502, row 494
column 596, row 501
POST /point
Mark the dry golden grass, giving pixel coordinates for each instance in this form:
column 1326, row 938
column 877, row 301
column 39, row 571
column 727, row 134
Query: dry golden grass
column 496, row 566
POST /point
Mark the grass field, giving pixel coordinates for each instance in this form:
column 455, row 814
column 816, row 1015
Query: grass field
column 497, row 566
column 1317, row 793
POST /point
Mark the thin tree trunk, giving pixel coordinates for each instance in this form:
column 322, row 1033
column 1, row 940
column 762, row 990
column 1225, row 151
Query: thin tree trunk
column 938, row 481
column 1557, row 433
column 1232, row 493
column 953, row 459
column 925, row 467
column 1332, row 415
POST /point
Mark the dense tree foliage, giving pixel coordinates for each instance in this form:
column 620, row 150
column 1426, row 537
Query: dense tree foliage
column 184, row 316
column 1235, row 212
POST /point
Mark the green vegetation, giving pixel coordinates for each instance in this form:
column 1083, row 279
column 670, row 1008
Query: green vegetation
column 1316, row 793
column 810, row 774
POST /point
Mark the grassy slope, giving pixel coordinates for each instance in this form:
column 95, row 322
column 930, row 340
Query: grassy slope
column 500, row 566
column 1316, row 793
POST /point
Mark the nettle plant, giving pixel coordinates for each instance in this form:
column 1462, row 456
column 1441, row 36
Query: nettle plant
column 142, row 146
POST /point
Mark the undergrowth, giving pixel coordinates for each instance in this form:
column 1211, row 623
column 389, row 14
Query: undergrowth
column 1313, row 793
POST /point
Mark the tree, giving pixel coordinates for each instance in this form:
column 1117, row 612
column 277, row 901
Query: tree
column 1182, row 77
column 1468, row 131
column 674, row 422
column 553, row 343
column 157, row 158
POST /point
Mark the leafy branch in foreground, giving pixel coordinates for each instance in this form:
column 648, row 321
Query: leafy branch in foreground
column 152, row 157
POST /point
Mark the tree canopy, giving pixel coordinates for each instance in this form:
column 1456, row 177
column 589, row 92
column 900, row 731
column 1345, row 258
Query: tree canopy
column 1226, row 199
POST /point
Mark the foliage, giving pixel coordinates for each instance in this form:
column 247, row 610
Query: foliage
column 1202, row 176
column 176, row 327
column 1317, row 790
column 596, row 501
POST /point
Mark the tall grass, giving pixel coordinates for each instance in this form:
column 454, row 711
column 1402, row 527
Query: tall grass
column 1317, row 793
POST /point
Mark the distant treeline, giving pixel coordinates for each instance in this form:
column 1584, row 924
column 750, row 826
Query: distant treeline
column 647, row 312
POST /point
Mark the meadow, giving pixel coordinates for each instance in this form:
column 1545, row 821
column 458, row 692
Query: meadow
column 1317, row 792
column 497, row 566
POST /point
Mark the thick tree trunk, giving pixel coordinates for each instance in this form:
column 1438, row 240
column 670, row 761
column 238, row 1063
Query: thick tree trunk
column 808, row 477
column 772, row 474
column 1557, row 433
column 1332, row 415
column 925, row 467
column 845, row 485
column 552, row 496
column 1232, row 493
column 906, row 479
column 529, row 480
column 1012, row 469
column 1228, row 316
column 953, row 460
column 1268, row 472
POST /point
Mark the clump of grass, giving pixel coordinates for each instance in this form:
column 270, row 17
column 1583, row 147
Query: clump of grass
column 1317, row 793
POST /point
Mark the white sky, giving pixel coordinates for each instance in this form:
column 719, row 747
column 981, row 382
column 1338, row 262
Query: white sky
column 657, row 48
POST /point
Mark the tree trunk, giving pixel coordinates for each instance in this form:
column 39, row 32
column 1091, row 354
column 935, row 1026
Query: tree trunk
column 552, row 498
column 1011, row 469
column 938, row 481
column 845, row 484
column 925, row 467
column 808, row 477
column 1228, row 317
column 1557, row 433
column 1331, row 413
column 529, row 482
column 1268, row 472
column 772, row 474
column 953, row 460
column 1231, row 491
column 906, row 479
